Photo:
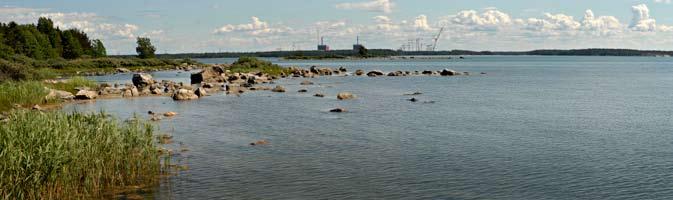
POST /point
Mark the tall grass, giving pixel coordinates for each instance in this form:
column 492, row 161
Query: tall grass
column 73, row 83
column 25, row 93
column 56, row 155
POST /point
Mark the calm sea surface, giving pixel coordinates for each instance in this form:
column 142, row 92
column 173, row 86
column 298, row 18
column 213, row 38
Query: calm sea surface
column 531, row 128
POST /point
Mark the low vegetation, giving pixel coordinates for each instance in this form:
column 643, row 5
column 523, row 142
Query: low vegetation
column 55, row 155
column 25, row 93
column 72, row 84
column 251, row 64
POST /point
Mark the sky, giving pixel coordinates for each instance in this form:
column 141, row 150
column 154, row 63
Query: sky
column 179, row 26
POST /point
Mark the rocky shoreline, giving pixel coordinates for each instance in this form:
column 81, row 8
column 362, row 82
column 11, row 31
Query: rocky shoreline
column 219, row 78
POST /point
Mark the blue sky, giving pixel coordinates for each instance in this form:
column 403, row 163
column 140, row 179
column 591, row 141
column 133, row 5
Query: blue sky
column 256, row 25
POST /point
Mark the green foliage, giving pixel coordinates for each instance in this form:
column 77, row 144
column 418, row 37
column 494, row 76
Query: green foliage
column 44, row 41
column 55, row 155
column 362, row 51
column 71, row 46
column 145, row 48
column 252, row 64
column 98, row 49
column 25, row 93
column 18, row 71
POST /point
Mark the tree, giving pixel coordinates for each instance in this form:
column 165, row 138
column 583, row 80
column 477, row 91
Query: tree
column 98, row 49
column 71, row 47
column 362, row 51
column 145, row 48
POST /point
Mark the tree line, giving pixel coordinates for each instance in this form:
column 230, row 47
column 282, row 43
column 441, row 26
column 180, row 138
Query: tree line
column 45, row 41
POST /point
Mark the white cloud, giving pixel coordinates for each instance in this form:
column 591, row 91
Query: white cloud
column 256, row 27
column 385, row 6
column 602, row 25
column 421, row 23
column 641, row 20
column 490, row 19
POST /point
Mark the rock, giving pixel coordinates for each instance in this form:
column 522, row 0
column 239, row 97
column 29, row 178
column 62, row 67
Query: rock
column 157, row 91
column 306, row 82
column 345, row 96
column 59, row 94
column 427, row 72
column 397, row 73
column 37, row 107
column 413, row 100
column 448, row 72
column 483, row 73
column 342, row 69
column 319, row 95
column 359, row 72
column 338, row 110
column 201, row 92
column 413, row 94
column 278, row 88
column 170, row 114
column 142, row 80
column 375, row 73
column 302, row 91
column 259, row 142
column 184, row 94
column 86, row 95
column 208, row 74
column 123, row 70
column 155, row 118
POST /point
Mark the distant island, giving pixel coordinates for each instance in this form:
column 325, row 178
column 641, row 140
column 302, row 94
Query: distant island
column 344, row 54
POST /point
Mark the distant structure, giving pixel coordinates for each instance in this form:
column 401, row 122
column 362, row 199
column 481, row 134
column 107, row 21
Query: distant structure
column 357, row 46
column 322, row 46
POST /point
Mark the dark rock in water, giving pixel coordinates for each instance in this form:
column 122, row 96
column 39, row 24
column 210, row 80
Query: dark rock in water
column 302, row 91
column 462, row 57
column 342, row 69
column 319, row 95
column 150, row 112
column 483, row 73
column 413, row 100
column 359, row 72
column 375, row 73
column 427, row 72
column 207, row 74
column 142, row 80
column 278, row 88
column 448, row 72
column 429, row 102
column 259, row 142
column 338, row 110
column 201, row 92
column 413, row 94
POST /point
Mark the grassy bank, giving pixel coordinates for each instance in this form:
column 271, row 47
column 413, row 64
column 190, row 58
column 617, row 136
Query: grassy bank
column 251, row 64
column 29, row 93
column 55, row 155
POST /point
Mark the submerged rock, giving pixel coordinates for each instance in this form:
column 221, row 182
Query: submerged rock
column 184, row 94
column 338, row 110
column 375, row 73
column 306, row 82
column 278, row 88
column 302, row 91
column 345, row 96
column 319, row 95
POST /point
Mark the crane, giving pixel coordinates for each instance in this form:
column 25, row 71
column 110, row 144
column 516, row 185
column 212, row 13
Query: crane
column 434, row 46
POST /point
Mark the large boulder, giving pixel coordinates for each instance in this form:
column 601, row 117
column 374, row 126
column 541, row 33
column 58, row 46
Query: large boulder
column 213, row 73
column 448, row 72
column 359, row 72
column 86, row 95
column 345, row 96
column 184, row 94
column 59, row 95
column 201, row 92
column 142, row 80
column 375, row 73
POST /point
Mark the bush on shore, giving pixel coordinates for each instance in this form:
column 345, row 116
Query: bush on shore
column 24, row 93
column 55, row 155
column 252, row 64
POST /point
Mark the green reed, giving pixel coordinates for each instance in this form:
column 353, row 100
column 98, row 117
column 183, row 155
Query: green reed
column 56, row 155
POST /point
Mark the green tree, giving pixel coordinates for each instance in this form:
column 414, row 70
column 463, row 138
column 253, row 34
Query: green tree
column 5, row 50
column 362, row 51
column 98, row 48
column 71, row 46
column 46, row 27
column 145, row 48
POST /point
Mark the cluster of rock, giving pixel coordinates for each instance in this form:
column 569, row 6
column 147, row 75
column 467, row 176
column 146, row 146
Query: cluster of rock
column 445, row 72
column 314, row 71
